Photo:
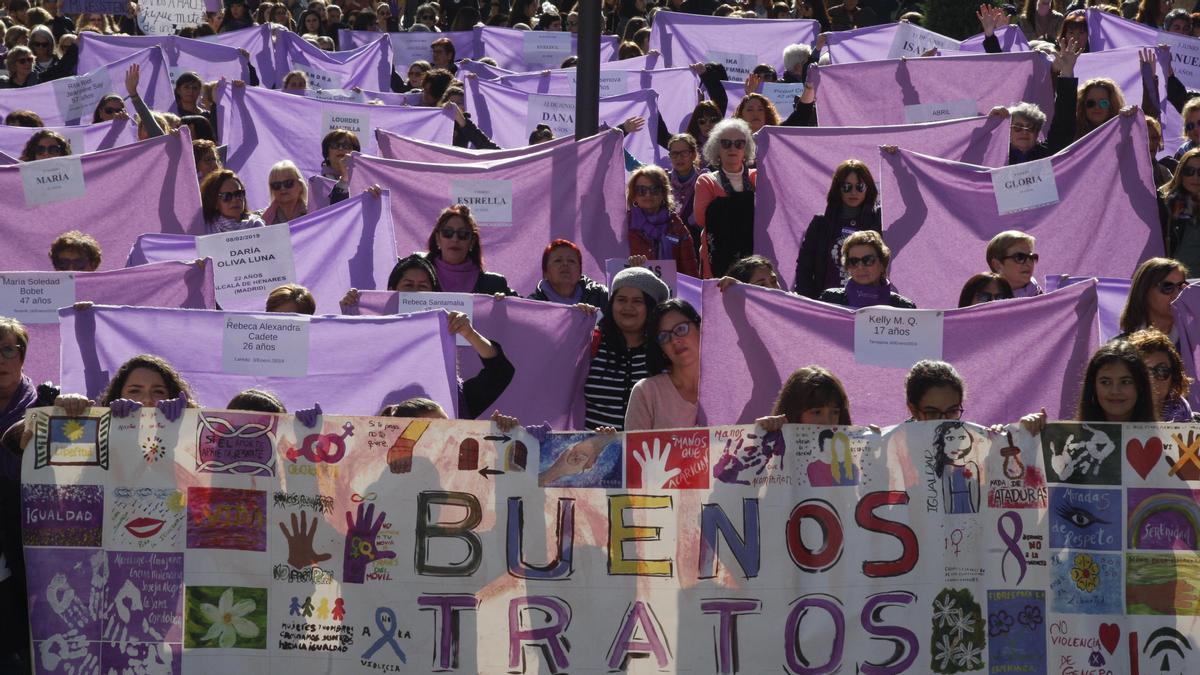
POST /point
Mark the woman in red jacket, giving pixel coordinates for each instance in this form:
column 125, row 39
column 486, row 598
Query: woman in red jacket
column 655, row 229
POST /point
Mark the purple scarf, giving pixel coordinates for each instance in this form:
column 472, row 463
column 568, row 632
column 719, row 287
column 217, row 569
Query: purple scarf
column 858, row 295
column 655, row 229
column 458, row 278
column 547, row 290
column 685, row 191
column 23, row 398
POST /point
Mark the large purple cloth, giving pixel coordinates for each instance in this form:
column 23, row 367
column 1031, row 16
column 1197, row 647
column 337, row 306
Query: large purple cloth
column 1111, row 294
column 209, row 60
column 508, row 47
column 874, row 43
column 351, row 244
column 258, row 43
column 488, row 72
column 1106, row 31
column 72, row 100
column 1121, row 65
column 262, row 127
column 508, row 115
column 144, row 187
column 939, row 215
column 879, row 92
column 685, row 39
column 796, row 165
column 407, row 356
column 548, row 344
column 396, row 146
column 368, row 67
column 83, row 137
column 573, row 191
column 1015, row 355
column 166, row 284
column 1186, row 309
column 409, row 47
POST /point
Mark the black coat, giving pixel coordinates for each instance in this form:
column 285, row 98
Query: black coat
column 837, row 296
column 812, row 265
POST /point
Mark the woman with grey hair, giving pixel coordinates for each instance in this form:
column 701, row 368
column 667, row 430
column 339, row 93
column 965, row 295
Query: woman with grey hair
column 796, row 58
column 19, row 62
column 724, row 202
column 1027, row 119
column 289, row 194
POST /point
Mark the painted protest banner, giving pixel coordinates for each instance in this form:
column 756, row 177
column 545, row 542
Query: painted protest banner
column 684, row 39
column 165, row 17
column 246, row 542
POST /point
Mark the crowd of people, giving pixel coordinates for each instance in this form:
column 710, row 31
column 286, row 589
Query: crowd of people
column 697, row 211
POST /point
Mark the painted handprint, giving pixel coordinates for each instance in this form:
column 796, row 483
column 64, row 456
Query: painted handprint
column 738, row 463
column 65, row 603
column 300, row 542
column 653, row 463
column 70, row 651
column 360, row 551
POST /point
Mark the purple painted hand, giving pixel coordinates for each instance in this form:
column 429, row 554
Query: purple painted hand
column 124, row 407
column 308, row 416
column 173, row 408
column 360, row 548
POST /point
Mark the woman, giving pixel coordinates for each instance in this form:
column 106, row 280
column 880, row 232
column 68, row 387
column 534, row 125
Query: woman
column 291, row 299
column 443, row 52
column 45, row 53
column 19, row 62
column 563, row 281
column 410, row 274
column 549, row 21
column 335, row 148
column 289, row 194
column 1179, row 211
column 1074, row 27
column 1169, row 382
column 207, row 156
column 984, row 287
column 755, row 270
column 1116, row 387
column 75, row 251
column 455, row 248
column 851, row 205
column 1153, row 12
column 684, row 155
column 1010, row 254
column 522, row 12
column 312, row 22
column 866, row 258
column 1100, row 99
column 933, row 390
column 620, row 345
column 237, row 17
column 223, row 201
column 758, row 111
column 110, row 107
column 416, row 75
column 187, row 95
column 724, row 203
column 669, row 400
column 282, row 16
column 811, row 395
column 1156, row 284
column 144, row 381
column 1040, row 20
column 296, row 81
column 1191, row 127
column 628, row 50
column 1178, row 21
column 704, row 116
column 23, row 118
column 655, row 230
column 45, row 144
column 428, row 15
column 17, row 391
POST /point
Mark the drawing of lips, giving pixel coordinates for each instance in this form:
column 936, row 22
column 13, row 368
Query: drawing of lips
column 144, row 528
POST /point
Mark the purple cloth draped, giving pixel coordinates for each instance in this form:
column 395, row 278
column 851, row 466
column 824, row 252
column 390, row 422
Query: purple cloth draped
column 874, row 43
column 754, row 332
column 505, row 115
column 877, row 92
column 1186, row 309
column 319, row 188
column 210, row 61
column 396, row 146
column 6, row 159
column 351, row 244
column 940, row 215
column 167, row 284
column 685, row 39
column 1111, row 293
column 1121, row 65
column 796, row 164
column 369, row 66
column 72, row 100
column 144, row 187
column 258, row 43
column 1106, row 32
column 689, row 288
column 412, row 98
column 409, row 47
column 507, row 46
column 262, row 127
column 539, row 338
column 83, row 137
column 487, row 72
column 586, row 179
column 408, row 356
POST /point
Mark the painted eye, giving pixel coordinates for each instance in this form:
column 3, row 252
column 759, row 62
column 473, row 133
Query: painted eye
column 1081, row 518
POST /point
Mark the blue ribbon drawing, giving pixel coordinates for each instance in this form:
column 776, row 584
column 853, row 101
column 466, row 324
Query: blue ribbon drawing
column 1012, row 539
column 385, row 621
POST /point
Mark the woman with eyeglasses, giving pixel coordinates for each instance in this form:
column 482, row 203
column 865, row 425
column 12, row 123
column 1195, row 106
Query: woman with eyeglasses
column 223, row 202
column 417, row 71
column 335, row 148
column 289, row 194
column 865, row 258
column 75, row 251
column 45, row 144
column 17, row 391
column 684, row 154
column 428, row 15
column 19, row 62
column 724, row 202
column 456, row 251
column 1026, row 119
column 1156, row 284
column 669, row 400
column 563, row 281
column 1179, row 211
column 1168, row 381
column 851, row 205
column 704, row 117
column 47, row 58
column 110, row 107
column 655, row 230
column 1010, row 254
column 984, row 287
column 933, row 390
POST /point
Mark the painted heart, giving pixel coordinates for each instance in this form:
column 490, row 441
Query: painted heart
column 1143, row 457
column 1110, row 636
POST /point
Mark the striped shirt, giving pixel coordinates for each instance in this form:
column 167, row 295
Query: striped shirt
column 610, row 380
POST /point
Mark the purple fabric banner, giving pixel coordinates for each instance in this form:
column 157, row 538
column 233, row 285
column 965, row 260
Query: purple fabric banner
column 319, row 188
column 1186, row 309
column 515, row 49
column 939, row 215
column 1111, row 294
column 754, row 332
column 210, row 61
column 409, row 356
column 145, row 187
column 409, row 47
column 586, row 179
column 183, row 285
column 1106, row 31
column 368, row 67
column 411, row 98
column 351, row 244
column 72, row 100
column 875, row 43
column 508, row 115
column 790, row 157
column 899, row 91
column 738, row 44
column 689, row 288
column 84, row 137
column 396, row 146
column 262, row 127
column 549, row 345
column 6, row 159
column 485, row 71
column 258, row 43
column 1122, row 66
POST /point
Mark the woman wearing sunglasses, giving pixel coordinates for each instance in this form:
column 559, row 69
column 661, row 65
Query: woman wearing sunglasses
column 724, row 203
column 289, row 194
column 1168, row 380
column 865, row 258
column 684, row 155
column 45, row 144
column 984, row 287
column 223, row 201
column 851, row 205
column 19, row 62
column 1179, row 211
column 704, row 117
column 1100, row 99
column 669, row 400
column 1156, row 284
column 1010, row 254
column 335, row 148
column 111, row 107
column 655, row 230
column 457, row 255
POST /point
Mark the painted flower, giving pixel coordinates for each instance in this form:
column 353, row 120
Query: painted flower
column 999, row 623
column 968, row 656
column 1085, row 573
column 73, row 430
column 963, row 623
column 228, row 620
column 944, row 611
column 1030, row 617
column 945, row 651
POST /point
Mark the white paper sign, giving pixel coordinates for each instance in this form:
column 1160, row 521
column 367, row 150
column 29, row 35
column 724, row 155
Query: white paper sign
column 337, row 95
column 358, row 121
column 556, row 111
column 411, row 303
column 56, row 179
column 409, row 47
column 77, row 96
column 665, row 269
column 165, row 17
column 940, row 111
column 612, row 82
column 271, row 345
column 320, row 79
column 912, row 40
column 490, row 200
column 35, row 297
column 737, row 65
column 1185, row 57
column 897, row 338
column 248, row 263
column 545, row 49
column 783, row 95
column 1024, row 186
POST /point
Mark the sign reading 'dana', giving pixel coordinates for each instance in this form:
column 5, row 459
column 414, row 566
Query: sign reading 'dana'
column 1024, row 186
column 165, row 17
column 737, row 66
column 612, row 82
column 783, row 95
column 248, row 263
column 270, row 345
column 545, row 49
column 358, row 121
column 320, row 79
column 912, row 40
column 77, row 96
column 896, row 338
column 411, row 303
column 490, row 200
column 57, row 179
column 665, row 269
column 35, row 297
column 557, row 112
column 940, row 111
